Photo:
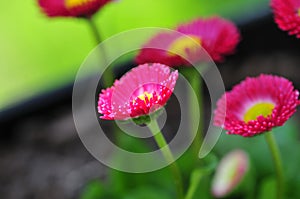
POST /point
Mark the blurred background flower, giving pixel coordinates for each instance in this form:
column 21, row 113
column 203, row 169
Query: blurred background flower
column 287, row 15
column 230, row 173
column 217, row 36
column 71, row 8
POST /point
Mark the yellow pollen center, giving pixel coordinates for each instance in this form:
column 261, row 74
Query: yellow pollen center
column 74, row 3
column 145, row 96
column 264, row 108
column 298, row 12
column 180, row 46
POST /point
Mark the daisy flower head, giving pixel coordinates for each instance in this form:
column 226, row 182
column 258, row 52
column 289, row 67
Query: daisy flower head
column 71, row 8
column 219, row 36
column 216, row 36
column 230, row 173
column 141, row 91
column 287, row 15
column 256, row 105
column 170, row 48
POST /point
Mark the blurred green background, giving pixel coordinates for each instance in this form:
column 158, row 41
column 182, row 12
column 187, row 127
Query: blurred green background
column 39, row 54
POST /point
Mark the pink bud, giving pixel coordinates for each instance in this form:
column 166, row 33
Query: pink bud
column 230, row 173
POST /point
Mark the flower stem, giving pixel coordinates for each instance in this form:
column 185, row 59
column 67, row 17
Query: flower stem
column 196, row 84
column 277, row 161
column 200, row 175
column 195, row 108
column 194, row 185
column 162, row 144
column 108, row 77
column 95, row 30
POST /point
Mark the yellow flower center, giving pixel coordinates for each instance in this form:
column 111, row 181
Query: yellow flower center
column 264, row 108
column 74, row 3
column 298, row 12
column 145, row 96
column 180, row 45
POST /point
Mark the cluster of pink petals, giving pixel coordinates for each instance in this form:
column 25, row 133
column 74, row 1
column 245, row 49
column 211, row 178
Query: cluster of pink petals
column 141, row 91
column 218, row 36
column 156, row 50
column 233, row 105
column 59, row 8
column 287, row 15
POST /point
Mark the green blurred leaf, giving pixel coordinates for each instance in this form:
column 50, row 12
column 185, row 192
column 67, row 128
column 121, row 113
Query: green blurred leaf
column 148, row 193
column 291, row 168
column 286, row 136
column 133, row 144
column 268, row 189
column 122, row 182
column 93, row 190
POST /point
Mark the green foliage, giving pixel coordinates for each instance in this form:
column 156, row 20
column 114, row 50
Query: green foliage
column 286, row 137
column 200, row 179
column 122, row 182
column 268, row 189
column 122, row 185
column 148, row 193
column 289, row 146
column 159, row 184
column 96, row 190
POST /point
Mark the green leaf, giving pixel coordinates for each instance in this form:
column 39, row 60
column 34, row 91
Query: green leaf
column 287, row 139
column 122, row 182
column 149, row 193
column 268, row 189
column 93, row 190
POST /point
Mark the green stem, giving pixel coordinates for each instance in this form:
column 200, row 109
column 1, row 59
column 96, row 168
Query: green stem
column 277, row 161
column 196, row 125
column 200, row 175
column 194, row 185
column 108, row 77
column 94, row 30
column 196, row 84
column 162, row 144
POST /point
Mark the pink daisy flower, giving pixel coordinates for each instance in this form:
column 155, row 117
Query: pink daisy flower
column 287, row 15
column 257, row 105
column 139, row 92
column 217, row 36
column 230, row 173
column 71, row 8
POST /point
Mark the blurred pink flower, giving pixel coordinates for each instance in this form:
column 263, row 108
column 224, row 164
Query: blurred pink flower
column 287, row 15
column 219, row 37
column 71, row 8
